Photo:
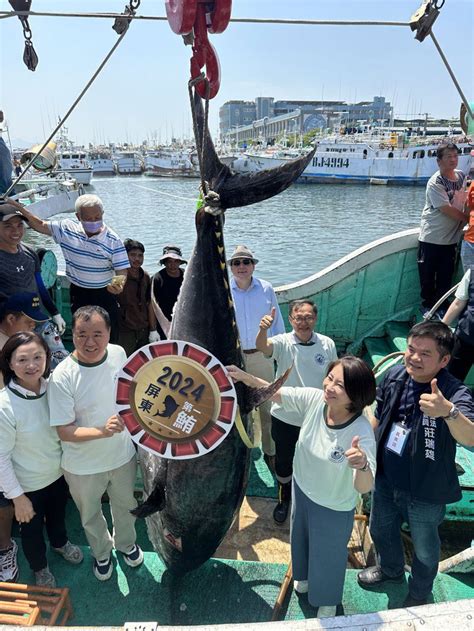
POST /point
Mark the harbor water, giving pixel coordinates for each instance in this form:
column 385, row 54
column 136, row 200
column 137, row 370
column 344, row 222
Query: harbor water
column 294, row 234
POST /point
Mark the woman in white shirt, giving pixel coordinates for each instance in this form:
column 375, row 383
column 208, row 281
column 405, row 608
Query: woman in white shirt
column 30, row 454
column 334, row 462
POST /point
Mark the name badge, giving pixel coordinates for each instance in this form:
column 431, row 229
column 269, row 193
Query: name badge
column 397, row 439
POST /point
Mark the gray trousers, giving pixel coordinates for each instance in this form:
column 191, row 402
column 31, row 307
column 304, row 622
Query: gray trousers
column 319, row 538
column 87, row 491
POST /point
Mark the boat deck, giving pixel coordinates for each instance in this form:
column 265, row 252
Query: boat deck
column 239, row 585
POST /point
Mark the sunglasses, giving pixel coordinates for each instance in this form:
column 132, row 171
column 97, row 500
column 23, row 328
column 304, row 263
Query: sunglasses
column 237, row 262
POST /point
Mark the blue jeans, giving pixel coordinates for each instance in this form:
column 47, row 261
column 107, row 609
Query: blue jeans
column 467, row 255
column 391, row 507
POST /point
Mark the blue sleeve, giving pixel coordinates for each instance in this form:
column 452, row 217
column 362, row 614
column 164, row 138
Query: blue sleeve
column 6, row 168
column 44, row 294
column 278, row 325
column 463, row 400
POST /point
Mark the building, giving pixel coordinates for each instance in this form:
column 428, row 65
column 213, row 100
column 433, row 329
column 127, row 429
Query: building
column 236, row 114
column 266, row 118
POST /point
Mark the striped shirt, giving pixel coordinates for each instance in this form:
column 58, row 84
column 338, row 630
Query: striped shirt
column 90, row 261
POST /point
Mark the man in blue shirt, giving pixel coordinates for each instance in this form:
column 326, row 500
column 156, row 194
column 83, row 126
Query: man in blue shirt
column 422, row 411
column 253, row 299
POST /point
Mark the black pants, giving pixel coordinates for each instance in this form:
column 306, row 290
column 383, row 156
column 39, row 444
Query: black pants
column 436, row 269
column 49, row 505
column 462, row 358
column 285, row 437
column 82, row 296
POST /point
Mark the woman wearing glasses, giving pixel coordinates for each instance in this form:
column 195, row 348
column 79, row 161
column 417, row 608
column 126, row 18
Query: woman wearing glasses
column 334, row 462
column 30, row 455
column 309, row 353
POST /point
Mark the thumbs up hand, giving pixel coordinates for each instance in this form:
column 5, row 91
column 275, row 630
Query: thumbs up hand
column 433, row 403
column 356, row 458
column 267, row 320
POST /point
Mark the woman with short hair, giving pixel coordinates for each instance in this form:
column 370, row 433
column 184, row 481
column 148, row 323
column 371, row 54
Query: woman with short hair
column 30, row 454
column 334, row 462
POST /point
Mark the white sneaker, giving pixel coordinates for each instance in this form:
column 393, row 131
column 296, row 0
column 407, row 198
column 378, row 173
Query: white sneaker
column 44, row 578
column 134, row 557
column 8, row 564
column 326, row 611
column 103, row 569
column 301, row 586
column 71, row 553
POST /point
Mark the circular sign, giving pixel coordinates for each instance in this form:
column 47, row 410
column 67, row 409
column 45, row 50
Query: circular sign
column 48, row 267
column 176, row 399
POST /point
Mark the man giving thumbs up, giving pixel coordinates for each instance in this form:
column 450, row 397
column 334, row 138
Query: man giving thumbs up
column 421, row 412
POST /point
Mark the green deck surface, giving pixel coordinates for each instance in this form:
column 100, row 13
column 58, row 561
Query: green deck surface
column 220, row 592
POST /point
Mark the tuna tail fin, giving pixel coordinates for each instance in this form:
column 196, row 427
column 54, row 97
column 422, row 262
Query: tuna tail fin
column 155, row 502
column 237, row 189
column 260, row 395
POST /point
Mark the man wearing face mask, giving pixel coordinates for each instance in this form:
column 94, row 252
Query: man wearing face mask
column 96, row 259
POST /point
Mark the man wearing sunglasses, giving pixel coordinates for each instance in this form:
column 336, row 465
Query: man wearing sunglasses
column 309, row 354
column 254, row 298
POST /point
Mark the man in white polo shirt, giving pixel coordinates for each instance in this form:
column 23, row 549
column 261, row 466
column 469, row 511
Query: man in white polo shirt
column 309, row 354
column 93, row 252
column 98, row 455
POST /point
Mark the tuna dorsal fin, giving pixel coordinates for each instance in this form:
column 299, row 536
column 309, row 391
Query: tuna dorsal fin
column 237, row 189
column 260, row 395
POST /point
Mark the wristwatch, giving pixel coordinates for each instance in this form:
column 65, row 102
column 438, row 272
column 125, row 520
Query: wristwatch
column 453, row 414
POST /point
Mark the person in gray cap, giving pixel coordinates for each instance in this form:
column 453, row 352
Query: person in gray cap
column 166, row 285
column 254, row 298
column 20, row 271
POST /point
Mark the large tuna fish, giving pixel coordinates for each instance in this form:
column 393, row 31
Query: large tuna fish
column 194, row 502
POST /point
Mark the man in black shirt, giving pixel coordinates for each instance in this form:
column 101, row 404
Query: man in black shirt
column 422, row 411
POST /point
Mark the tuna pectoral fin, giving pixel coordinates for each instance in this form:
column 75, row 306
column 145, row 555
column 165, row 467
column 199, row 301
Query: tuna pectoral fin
column 155, row 502
column 260, row 395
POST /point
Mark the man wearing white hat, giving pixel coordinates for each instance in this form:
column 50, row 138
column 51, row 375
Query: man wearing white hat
column 253, row 299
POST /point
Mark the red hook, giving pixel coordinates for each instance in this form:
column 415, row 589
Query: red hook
column 204, row 16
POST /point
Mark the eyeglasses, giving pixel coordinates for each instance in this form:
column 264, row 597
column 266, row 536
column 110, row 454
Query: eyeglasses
column 301, row 319
column 237, row 262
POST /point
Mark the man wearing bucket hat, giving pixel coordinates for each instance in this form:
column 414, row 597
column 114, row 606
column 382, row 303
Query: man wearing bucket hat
column 20, row 312
column 166, row 285
column 253, row 299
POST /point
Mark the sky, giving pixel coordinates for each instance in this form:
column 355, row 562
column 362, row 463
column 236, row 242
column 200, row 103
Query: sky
column 142, row 92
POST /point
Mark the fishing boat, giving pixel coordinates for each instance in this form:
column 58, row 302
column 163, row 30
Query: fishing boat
column 366, row 301
column 46, row 196
column 376, row 157
column 242, row 582
column 73, row 160
column 128, row 163
column 101, row 162
column 170, row 162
